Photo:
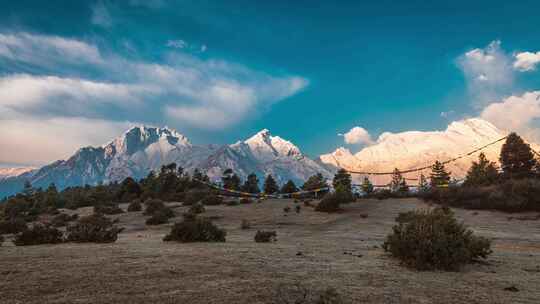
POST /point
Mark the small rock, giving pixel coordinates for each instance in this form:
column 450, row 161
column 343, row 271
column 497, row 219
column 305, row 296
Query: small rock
column 511, row 288
column 299, row 253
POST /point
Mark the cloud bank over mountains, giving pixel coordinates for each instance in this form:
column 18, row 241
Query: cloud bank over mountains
column 60, row 83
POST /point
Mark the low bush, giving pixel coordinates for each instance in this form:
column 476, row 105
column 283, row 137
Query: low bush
column 212, row 200
column 195, row 229
column 196, row 208
column 509, row 196
column 265, row 236
column 297, row 208
column 153, row 205
column 296, row 293
column 94, row 228
column 38, row 234
column 1, row 239
column 245, row 224
column 63, row 219
column 287, row 209
column 246, row 200
column 434, row 239
column 194, row 196
column 134, row 206
column 232, row 203
column 158, row 218
column 13, row 225
column 108, row 209
column 331, row 202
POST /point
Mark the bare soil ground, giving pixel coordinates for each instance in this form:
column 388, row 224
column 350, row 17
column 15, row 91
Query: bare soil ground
column 316, row 249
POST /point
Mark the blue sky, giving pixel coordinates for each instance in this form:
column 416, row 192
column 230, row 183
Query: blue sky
column 79, row 72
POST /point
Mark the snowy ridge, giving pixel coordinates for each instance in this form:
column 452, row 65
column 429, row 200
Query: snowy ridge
column 414, row 149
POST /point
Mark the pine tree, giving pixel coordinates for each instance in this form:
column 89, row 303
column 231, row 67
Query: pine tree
column 343, row 179
column 289, row 187
column 252, row 184
column 423, row 185
column 439, row 176
column 403, row 187
column 517, row 159
column 395, row 184
column 367, row 186
column 230, row 180
column 270, row 185
column 314, row 182
column 481, row 173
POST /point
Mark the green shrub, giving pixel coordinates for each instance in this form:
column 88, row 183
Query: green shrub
column 153, row 205
column 194, row 196
column 212, row 200
column 434, row 239
column 245, row 224
column 246, row 200
column 297, row 208
column 287, row 209
column 232, row 203
column 134, row 206
column 94, row 228
column 62, row 219
column 13, row 225
column 196, row 208
column 1, row 239
column 265, row 236
column 158, row 218
column 38, row 234
column 108, row 209
column 195, row 230
column 331, row 202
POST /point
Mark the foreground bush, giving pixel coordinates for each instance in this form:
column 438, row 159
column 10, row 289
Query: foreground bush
column 1, row 239
column 212, row 200
column 510, row 196
column 195, row 229
column 153, row 205
column 434, row 239
column 197, row 208
column 194, row 196
column 331, row 202
column 245, row 200
column 63, row 219
column 38, row 234
column 134, row 206
column 13, row 225
column 160, row 217
column 265, row 236
column 108, row 209
column 94, row 228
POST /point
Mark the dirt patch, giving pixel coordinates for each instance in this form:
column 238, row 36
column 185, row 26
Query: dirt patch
column 337, row 250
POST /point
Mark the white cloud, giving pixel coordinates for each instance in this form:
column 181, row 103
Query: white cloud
column 101, row 15
column 357, row 135
column 488, row 71
column 35, row 141
column 74, row 81
column 516, row 113
column 526, row 61
column 177, row 44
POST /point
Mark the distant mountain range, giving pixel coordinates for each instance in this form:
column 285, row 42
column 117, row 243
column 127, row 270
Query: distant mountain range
column 142, row 149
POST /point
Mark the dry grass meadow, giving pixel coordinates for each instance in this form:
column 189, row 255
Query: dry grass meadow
column 318, row 250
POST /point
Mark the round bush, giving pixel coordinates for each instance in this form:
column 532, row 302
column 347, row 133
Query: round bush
column 195, row 230
column 265, row 236
column 196, row 208
column 38, row 234
column 134, row 206
column 212, row 200
column 13, row 225
column 94, row 228
column 434, row 239
column 153, row 205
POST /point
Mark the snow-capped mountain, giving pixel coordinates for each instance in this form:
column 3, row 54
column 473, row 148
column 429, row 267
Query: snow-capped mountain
column 415, row 149
column 11, row 172
column 142, row 149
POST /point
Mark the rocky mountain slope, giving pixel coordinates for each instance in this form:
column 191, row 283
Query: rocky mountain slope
column 142, row 149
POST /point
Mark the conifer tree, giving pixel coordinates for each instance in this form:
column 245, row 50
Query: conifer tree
column 403, row 187
column 251, row 185
column 481, row 173
column 289, row 187
column 367, row 186
column 270, row 185
column 395, row 184
column 517, row 159
column 314, row 182
column 343, row 179
column 439, row 176
column 230, row 180
column 423, row 185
